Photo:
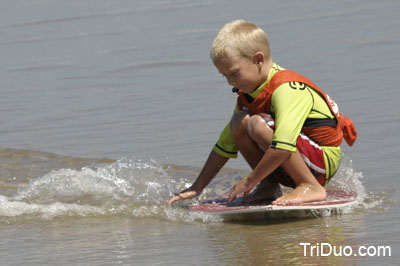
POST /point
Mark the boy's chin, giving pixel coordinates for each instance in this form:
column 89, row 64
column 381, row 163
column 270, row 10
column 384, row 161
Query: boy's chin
column 247, row 91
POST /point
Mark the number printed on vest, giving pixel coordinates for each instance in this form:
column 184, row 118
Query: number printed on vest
column 297, row 85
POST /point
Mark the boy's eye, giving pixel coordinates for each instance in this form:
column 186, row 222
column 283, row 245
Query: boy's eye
column 235, row 74
column 231, row 75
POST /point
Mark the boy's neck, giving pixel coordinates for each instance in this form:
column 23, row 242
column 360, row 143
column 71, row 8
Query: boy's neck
column 265, row 72
column 267, row 69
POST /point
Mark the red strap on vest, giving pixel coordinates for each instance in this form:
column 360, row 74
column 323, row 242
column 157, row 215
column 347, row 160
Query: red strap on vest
column 349, row 131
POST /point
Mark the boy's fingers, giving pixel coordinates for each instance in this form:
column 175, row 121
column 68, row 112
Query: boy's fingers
column 183, row 195
column 173, row 199
column 232, row 195
column 188, row 194
column 231, row 198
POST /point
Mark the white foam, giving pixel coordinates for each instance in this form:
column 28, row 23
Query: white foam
column 9, row 208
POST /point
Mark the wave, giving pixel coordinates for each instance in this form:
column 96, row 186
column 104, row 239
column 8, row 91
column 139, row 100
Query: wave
column 127, row 187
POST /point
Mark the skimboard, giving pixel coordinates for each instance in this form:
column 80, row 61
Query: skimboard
column 336, row 201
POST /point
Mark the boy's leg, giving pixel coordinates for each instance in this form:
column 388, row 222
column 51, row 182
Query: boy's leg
column 307, row 188
column 253, row 153
column 247, row 147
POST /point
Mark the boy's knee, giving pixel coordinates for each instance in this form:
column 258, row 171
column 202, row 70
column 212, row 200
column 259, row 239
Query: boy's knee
column 256, row 125
column 239, row 121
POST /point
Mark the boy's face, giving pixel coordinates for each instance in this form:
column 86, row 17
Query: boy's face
column 241, row 73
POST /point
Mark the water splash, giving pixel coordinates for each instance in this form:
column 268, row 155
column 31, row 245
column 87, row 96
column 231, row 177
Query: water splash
column 348, row 179
column 130, row 187
column 124, row 180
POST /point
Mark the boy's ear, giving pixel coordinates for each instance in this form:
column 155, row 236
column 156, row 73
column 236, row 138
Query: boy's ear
column 258, row 58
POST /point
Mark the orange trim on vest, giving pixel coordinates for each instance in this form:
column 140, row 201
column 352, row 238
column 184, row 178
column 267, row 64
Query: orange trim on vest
column 323, row 135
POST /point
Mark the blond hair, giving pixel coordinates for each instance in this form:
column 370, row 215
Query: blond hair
column 240, row 39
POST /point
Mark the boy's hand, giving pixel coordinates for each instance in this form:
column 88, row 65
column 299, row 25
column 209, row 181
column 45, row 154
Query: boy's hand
column 242, row 186
column 188, row 193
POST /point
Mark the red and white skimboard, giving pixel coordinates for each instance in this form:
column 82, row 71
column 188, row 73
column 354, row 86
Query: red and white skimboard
column 336, row 200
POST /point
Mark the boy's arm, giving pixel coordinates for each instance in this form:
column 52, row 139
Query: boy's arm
column 210, row 169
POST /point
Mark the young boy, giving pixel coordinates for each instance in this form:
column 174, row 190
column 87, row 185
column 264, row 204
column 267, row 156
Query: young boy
column 287, row 129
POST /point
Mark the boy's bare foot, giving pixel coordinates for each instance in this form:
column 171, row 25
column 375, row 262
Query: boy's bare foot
column 301, row 194
column 266, row 190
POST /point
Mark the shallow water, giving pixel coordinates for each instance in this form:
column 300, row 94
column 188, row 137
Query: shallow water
column 110, row 213
column 108, row 108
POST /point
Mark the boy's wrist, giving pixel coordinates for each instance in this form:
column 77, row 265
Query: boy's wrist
column 196, row 187
column 250, row 182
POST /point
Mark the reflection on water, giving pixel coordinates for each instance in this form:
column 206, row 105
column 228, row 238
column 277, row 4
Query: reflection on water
column 129, row 240
column 265, row 243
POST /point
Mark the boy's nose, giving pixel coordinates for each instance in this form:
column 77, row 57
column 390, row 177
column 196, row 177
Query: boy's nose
column 231, row 82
